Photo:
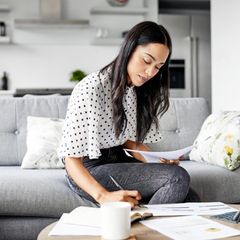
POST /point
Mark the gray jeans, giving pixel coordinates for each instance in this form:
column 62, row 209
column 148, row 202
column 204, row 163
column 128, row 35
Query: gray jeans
column 157, row 183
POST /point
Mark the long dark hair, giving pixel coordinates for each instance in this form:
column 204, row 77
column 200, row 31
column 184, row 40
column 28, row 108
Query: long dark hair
column 152, row 96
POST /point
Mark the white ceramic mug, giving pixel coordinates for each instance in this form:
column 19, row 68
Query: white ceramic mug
column 116, row 222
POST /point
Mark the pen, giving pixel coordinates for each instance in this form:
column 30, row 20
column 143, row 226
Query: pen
column 236, row 217
column 120, row 187
column 116, row 183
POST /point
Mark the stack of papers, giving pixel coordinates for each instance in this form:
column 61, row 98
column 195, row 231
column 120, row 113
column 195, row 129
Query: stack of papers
column 87, row 220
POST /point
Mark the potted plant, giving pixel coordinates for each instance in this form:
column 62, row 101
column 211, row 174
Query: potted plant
column 77, row 75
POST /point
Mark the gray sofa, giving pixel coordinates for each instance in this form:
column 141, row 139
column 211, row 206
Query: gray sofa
column 32, row 199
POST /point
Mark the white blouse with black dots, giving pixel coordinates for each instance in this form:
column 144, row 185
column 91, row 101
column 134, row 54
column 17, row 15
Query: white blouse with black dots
column 89, row 125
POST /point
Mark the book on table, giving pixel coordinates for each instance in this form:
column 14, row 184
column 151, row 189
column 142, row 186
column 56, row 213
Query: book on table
column 136, row 216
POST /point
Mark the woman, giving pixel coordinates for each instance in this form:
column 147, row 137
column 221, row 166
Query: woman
column 119, row 107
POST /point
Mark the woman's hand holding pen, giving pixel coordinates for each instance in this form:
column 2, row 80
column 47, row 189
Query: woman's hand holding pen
column 130, row 196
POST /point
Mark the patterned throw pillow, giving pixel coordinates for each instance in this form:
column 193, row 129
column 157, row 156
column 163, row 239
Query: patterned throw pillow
column 43, row 138
column 218, row 142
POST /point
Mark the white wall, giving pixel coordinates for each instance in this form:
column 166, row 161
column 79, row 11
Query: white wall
column 46, row 57
column 225, row 35
column 32, row 66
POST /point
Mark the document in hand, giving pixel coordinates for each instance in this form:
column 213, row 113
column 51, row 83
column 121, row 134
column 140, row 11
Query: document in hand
column 156, row 156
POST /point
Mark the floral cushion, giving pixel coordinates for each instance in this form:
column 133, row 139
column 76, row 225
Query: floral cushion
column 43, row 138
column 218, row 142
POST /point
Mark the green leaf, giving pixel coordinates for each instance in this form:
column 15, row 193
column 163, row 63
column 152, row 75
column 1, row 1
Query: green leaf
column 77, row 75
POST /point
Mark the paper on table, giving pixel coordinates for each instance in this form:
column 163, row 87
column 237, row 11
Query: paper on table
column 179, row 209
column 156, row 156
column 87, row 220
column 64, row 229
column 81, row 221
column 86, row 216
column 190, row 227
column 89, row 216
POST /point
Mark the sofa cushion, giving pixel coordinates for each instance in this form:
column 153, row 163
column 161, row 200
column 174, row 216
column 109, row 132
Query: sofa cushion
column 43, row 137
column 181, row 124
column 213, row 183
column 38, row 193
column 218, row 142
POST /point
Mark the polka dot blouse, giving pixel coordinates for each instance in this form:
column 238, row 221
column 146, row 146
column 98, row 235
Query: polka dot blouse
column 89, row 125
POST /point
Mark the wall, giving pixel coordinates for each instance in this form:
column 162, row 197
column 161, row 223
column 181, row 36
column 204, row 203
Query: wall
column 225, row 20
column 31, row 66
column 41, row 57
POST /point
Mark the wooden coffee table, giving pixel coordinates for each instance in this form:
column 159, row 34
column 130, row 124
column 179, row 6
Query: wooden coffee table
column 138, row 231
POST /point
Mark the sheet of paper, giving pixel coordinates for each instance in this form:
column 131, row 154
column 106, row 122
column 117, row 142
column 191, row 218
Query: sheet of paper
column 180, row 209
column 63, row 229
column 86, row 216
column 156, row 156
column 190, row 227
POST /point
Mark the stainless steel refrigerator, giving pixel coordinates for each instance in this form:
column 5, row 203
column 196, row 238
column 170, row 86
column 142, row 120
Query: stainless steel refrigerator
column 190, row 68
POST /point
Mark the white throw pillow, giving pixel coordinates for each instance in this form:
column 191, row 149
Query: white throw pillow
column 218, row 142
column 43, row 138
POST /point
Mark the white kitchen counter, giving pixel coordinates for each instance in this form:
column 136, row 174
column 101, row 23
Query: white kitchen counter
column 7, row 93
